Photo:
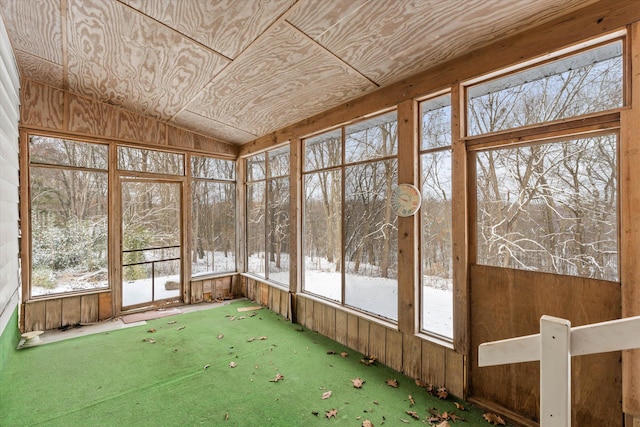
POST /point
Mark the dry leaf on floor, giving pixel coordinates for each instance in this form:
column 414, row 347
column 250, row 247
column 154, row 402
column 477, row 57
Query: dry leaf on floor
column 151, row 340
column 220, row 336
column 455, row 418
column 413, row 414
column 344, row 354
column 232, row 364
column 442, row 393
column 226, row 416
column 332, row 413
column 326, row 394
column 277, row 378
column 459, row 406
column 368, row 360
column 405, row 421
column 357, row 383
column 392, row 382
column 421, row 384
column 252, row 339
column 411, row 401
column 173, row 322
column 444, row 424
column 367, row 423
column 262, row 338
column 181, row 328
column 152, row 330
column 204, row 368
column 315, row 413
column 493, row 418
column 331, row 352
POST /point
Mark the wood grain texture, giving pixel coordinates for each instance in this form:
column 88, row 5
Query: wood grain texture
column 412, row 356
column 105, row 306
column 41, row 34
column 328, row 321
column 197, row 292
column 215, row 129
column 424, row 33
column 41, row 106
column 433, row 363
column 378, row 342
column 524, row 298
column 181, row 138
column 53, row 313
column 393, row 350
column 352, row 331
column 455, row 373
column 363, row 337
column 89, row 308
column 110, row 59
column 226, row 26
column 35, row 68
column 71, row 311
column 35, row 316
column 282, row 78
column 341, row 327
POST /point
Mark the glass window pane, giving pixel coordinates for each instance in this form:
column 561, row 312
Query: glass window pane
column 143, row 160
column 213, row 227
column 372, row 139
column 584, row 83
column 279, row 162
column 371, row 234
column 54, row 151
column 550, row 207
column 436, row 122
column 68, row 230
column 278, row 230
column 208, row 167
column 256, row 228
column 323, row 151
column 256, row 167
column 437, row 268
column 322, row 236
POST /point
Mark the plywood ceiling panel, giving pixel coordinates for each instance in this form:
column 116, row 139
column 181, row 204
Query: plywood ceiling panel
column 226, row 26
column 389, row 43
column 234, row 70
column 116, row 55
column 282, row 78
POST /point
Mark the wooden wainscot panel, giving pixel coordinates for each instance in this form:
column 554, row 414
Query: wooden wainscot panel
column 105, row 306
column 433, row 363
column 53, row 314
column 509, row 303
column 308, row 313
column 264, row 294
column 301, row 304
column 318, row 318
column 70, row 311
column 251, row 289
column 454, row 373
column 35, row 316
column 393, row 350
column 41, row 106
column 352, row 332
column 341, row 327
column 328, row 321
column 363, row 336
column 284, row 304
column 238, row 285
column 207, row 289
column 378, row 342
column 274, row 299
column 225, row 285
column 89, row 308
column 197, row 292
column 412, row 356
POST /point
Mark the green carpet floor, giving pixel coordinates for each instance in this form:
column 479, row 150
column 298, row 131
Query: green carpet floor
column 180, row 375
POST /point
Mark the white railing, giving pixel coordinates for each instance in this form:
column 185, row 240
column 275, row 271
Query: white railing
column 554, row 346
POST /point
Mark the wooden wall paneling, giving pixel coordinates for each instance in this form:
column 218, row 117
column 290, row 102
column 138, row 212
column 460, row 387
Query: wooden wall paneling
column 460, row 217
column 181, row 138
column 328, row 321
column 629, row 220
column 207, row 287
column 341, row 327
column 300, row 307
column 378, row 342
column 35, row 316
column 264, row 294
column 285, row 304
column 227, row 285
column 134, row 127
column 408, row 227
column 53, row 314
column 71, row 311
column 251, row 289
column 274, row 299
column 454, row 373
column 89, row 308
column 89, row 117
column 352, row 332
column 412, row 356
column 317, row 316
column 308, row 314
column 363, row 336
column 433, row 363
column 238, row 285
column 41, row 106
column 197, row 292
column 393, row 350
column 105, row 306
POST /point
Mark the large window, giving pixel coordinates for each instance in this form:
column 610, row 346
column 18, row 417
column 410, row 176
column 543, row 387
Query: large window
column 68, row 183
column 350, row 238
column 268, row 215
column 213, row 207
column 550, row 205
column 435, row 165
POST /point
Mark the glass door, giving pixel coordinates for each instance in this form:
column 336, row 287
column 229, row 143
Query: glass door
column 151, row 239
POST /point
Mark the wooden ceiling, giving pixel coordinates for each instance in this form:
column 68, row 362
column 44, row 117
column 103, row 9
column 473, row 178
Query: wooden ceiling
column 236, row 70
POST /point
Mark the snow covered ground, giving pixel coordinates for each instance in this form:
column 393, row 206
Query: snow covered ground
column 139, row 291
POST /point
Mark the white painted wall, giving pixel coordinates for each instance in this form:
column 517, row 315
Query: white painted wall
column 9, row 117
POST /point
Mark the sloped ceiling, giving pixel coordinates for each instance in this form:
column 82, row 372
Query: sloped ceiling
column 236, row 70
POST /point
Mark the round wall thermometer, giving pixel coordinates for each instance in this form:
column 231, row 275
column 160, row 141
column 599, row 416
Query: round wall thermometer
column 405, row 200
